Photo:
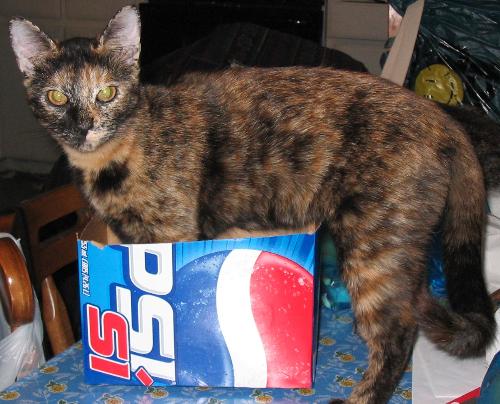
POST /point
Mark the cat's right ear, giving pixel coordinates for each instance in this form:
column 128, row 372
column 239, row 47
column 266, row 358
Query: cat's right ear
column 30, row 44
column 122, row 36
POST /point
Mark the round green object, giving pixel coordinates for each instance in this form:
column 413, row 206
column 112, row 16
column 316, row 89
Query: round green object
column 439, row 83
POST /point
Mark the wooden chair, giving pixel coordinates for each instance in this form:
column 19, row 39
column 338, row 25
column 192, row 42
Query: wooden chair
column 52, row 220
column 7, row 222
column 16, row 292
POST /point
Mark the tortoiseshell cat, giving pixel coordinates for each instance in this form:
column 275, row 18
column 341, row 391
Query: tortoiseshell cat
column 261, row 149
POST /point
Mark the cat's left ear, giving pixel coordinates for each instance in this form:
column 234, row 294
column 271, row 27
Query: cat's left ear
column 122, row 36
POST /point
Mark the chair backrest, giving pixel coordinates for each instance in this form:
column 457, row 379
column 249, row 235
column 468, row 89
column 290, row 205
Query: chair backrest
column 7, row 222
column 52, row 220
column 15, row 285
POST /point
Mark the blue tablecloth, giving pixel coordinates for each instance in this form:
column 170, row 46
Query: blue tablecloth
column 342, row 359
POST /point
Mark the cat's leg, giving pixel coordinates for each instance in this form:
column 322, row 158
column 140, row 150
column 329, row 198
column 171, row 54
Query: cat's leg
column 388, row 358
column 383, row 282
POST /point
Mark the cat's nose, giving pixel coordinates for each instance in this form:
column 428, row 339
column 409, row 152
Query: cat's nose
column 85, row 125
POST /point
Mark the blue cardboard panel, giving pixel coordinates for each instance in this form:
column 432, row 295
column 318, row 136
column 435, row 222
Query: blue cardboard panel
column 206, row 313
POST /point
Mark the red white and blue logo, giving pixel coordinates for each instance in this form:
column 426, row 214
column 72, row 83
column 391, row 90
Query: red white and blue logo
column 176, row 315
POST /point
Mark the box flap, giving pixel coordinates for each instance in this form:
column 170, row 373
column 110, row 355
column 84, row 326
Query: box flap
column 99, row 233
column 398, row 61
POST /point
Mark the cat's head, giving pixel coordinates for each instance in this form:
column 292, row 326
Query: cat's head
column 81, row 89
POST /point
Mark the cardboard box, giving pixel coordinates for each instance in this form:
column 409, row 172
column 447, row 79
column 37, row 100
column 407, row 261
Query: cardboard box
column 235, row 312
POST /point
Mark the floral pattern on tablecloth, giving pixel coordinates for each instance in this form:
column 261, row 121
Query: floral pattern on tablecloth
column 341, row 363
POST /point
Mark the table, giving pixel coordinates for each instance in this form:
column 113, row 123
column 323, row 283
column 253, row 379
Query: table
column 341, row 362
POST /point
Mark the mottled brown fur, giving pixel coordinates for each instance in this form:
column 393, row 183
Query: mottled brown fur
column 261, row 149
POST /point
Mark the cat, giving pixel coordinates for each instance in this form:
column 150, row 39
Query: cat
column 261, row 149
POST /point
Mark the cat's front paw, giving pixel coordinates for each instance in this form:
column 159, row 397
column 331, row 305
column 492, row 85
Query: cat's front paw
column 336, row 401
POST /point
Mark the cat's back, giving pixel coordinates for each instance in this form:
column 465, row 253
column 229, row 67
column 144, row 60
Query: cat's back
column 327, row 94
column 335, row 104
column 299, row 82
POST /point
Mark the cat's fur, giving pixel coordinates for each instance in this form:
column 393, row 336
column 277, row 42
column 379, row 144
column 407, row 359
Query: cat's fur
column 280, row 148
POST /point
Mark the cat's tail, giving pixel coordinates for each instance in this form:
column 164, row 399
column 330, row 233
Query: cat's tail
column 465, row 326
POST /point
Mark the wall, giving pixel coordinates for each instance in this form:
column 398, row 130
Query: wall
column 24, row 145
column 358, row 28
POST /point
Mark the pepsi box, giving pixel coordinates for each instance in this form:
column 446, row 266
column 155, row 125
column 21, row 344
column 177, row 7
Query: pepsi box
column 238, row 312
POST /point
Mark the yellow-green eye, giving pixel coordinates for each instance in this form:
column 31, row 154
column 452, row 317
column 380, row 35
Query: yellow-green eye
column 57, row 98
column 106, row 94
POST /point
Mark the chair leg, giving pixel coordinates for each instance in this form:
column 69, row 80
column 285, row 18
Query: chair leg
column 55, row 317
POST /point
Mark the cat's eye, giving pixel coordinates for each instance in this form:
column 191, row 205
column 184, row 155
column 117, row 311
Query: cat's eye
column 57, row 98
column 106, row 94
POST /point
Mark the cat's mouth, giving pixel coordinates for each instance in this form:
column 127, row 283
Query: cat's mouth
column 84, row 141
column 93, row 139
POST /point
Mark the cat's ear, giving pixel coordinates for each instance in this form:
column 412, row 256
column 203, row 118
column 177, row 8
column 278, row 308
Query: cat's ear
column 30, row 44
column 123, row 35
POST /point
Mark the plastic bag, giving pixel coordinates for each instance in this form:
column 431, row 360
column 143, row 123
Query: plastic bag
column 334, row 294
column 457, row 53
column 20, row 351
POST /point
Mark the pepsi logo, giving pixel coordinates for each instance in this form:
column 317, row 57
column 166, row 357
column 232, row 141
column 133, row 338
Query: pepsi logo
column 247, row 315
